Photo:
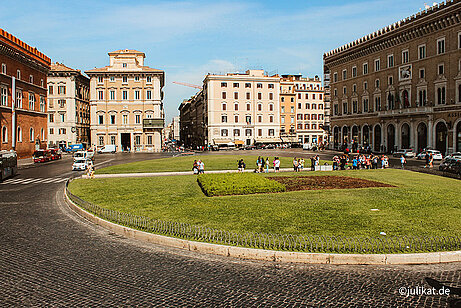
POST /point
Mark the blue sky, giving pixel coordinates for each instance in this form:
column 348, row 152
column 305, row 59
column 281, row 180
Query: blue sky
column 188, row 39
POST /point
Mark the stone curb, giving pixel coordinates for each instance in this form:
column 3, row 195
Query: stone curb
column 270, row 255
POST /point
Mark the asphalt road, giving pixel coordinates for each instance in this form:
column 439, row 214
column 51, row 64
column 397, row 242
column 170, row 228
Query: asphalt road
column 49, row 256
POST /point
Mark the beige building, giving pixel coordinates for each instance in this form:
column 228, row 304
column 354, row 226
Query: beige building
column 233, row 109
column 400, row 87
column 301, row 110
column 68, row 107
column 126, row 103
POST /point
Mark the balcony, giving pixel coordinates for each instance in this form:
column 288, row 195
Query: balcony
column 152, row 123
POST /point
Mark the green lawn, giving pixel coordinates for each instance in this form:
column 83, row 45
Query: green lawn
column 184, row 163
column 421, row 204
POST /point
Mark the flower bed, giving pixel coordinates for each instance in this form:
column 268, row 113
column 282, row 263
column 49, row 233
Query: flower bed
column 237, row 184
column 325, row 182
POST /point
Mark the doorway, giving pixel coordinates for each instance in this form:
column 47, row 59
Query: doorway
column 422, row 136
column 441, row 135
column 391, row 138
column 125, row 139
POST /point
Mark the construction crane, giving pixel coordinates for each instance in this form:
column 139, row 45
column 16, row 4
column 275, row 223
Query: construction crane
column 188, row 85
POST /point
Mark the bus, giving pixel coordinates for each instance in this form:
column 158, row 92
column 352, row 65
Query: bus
column 8, row 164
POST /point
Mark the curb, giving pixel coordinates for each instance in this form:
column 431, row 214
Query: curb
column 270, row 255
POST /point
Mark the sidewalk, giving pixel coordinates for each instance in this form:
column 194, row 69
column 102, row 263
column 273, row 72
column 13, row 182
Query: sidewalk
column 25, row 163
column 134, row 175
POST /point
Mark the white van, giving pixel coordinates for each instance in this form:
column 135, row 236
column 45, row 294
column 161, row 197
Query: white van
column 110, row 148
column 83, row 155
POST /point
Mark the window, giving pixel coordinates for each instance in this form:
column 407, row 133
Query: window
column 344, row 90
column 365, row 85
column 236, row 132
column 149, row 79
column 112, row 119
column 125, row 119
column 112, row 79
column 345, row 107
column 112, row 95
column 148, row 94
column 112, row 140
column 377, row 103
column 271, row 132
column 405, row 56
column 313, row 95
column 235, row 85
column 19, row 138
column 365, row 68
column 344, row 74
column 271, row 96
column 31, row 134
column 31, row 101
column 292, row 109
column 260, row 95
column 422, row 73
column 248, row 132
column 18, row 74
column 18, row 99
column 390, row 80
column 282, row 120
column 292, row 100
column 137, row 94
column 459, row 43
column 247, row 85
column 149, row 139
column 4, row 96
column 271, row 107
column 260, row 132
column 137, row 140
column 63, row 117
column 125, row 95
column 223, row 95
column 300, row 126
column 136, row 78
column 354, row 71
column 42, row 83
column 441, row 46
column 354, row 88
column 51, row 118
column 236, row 95
column 100, row 119
column 100, row 95
column 422, row 95
column 224, row 133
column 224, row 119
column 307, row 116
column 3, row 68
column 299, row 95
column 377, row 65
column 124, row 65
column 236, row 106
column 248, row 119
column 441, row 69
column 354, row 107
column 101, row 140
column 390, row 61
column 124, row 79
column 441, row 96
column 61, row 89
column 299, row 117
column 50, row 90
column 271, row 119
column 377, row 83
column 422, row 52
column 224, row 106
column 259, row 85
column 248, row 95
column 270, row 86
column 51, row 131
column 335, row 77
column 307, row 96
column 292, row 120
column 365, row 105
column 260, row 119
column 260, row 107
column 299, row 105
column 236, row 119
column 137, row 119
column 100, row 79
column 223, row 84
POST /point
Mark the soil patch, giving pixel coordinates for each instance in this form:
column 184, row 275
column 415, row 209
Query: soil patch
column 294, row 183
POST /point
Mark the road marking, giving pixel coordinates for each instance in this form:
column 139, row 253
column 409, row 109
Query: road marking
column 33, row 181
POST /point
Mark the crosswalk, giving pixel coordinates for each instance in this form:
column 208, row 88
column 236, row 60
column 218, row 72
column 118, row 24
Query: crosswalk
column 28, row 181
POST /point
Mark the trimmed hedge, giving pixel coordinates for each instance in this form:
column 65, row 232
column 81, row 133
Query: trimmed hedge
column 237, row 184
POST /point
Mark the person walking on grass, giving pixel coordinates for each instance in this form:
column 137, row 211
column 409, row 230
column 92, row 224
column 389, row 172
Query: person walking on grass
column 276, row 164
column 195, row 167
column 201, row 167
column 241, row 166
column 295, row 165
column 403, row 161
column 267, row 164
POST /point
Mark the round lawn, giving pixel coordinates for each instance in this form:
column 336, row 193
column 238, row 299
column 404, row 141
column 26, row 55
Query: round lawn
column 414, row 204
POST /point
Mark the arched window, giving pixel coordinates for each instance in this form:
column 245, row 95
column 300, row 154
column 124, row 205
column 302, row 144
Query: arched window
column 42, row 134
column 271, row 107
column 248, row 107
column 224, row 106
column 31, row 134
column 236, row 106
column 260, row 107
column 19, row 134
column 4, row 134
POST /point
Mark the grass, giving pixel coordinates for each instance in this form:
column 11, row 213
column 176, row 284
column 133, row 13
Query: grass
column 184, row 163
column 237, row 184
column 421, row 204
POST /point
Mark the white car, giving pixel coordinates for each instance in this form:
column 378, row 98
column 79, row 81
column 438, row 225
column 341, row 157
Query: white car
column 436, row 155
column 81, row 164
column 408, row 153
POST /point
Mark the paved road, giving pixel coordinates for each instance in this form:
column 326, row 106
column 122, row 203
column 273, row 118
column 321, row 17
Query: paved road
column 51, row 257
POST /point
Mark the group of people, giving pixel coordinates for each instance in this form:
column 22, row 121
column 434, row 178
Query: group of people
column 198, row 167
column 429, row 160
column 298, row 164
column 361, row 161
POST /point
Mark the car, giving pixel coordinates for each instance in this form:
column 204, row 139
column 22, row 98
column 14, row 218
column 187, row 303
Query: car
column 55, row 154
column 455, row 155
column 41, row 156
column 446, row 163
column 436, row 155
column 454, row 167
column 408, row 153
column 110, row 148
column 81, row 164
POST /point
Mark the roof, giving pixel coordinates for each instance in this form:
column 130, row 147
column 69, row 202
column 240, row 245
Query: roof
column 127, row 51
column 59, row 67
column 110, row 69
column 23, row 47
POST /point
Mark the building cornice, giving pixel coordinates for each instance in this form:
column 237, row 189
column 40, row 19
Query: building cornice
column 434, row 19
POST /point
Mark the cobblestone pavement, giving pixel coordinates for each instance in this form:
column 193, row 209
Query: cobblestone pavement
column 51, row 257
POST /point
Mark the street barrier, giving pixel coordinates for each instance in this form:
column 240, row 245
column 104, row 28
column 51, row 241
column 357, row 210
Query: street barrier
column 282, row 242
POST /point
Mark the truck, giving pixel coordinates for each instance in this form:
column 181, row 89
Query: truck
column 74, row 147
column 8, row 164
column 110, row 148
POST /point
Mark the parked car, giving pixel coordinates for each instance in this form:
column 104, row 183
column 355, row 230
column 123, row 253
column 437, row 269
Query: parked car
column 454, row 167
column 436, row 155
column 408, row 153
column 81, row 164
column 365, row 150
column 110, row 148
column 41, row 156
column 456, row 155
column 75, row 147
column 55, row 154
column 446, row 163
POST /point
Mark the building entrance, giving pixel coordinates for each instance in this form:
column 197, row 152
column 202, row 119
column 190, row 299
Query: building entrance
column 391, row 138
column 422, row 137
column 441, row 135
column 125, row 139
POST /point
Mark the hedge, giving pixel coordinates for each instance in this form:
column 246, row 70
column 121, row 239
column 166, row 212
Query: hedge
column 237, row 184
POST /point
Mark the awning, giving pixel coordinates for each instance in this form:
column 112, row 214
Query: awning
column 268, row 140
column 231, row 144
column 239, row 142
column 221, row 141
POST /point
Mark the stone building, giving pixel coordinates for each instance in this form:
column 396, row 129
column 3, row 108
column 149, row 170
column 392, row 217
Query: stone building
column 126, row 103
column 233, row 109
column 68, row 107
column 400, row 87
column 23, row 117
column 301, row 110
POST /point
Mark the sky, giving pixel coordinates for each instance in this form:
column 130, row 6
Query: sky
column 188, row 39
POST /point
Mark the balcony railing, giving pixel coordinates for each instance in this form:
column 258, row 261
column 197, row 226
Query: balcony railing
column 152, row 123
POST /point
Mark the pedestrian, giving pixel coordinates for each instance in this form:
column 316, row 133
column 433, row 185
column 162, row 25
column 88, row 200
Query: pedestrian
column 277, row 164
column 295, row 165
column 258, row 164
column 312, row 163
column 431, row 160
column 355, row 163
column 427, row 158
column 201, row 167
column 301, row 164
column 241, row 166
column 195, row 167
column 267, row 164
column 403, row 161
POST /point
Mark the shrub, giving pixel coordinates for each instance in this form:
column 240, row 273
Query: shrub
column 237, row 184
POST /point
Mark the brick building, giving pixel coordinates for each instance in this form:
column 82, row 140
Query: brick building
column 23, row 114
column 400, row 87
